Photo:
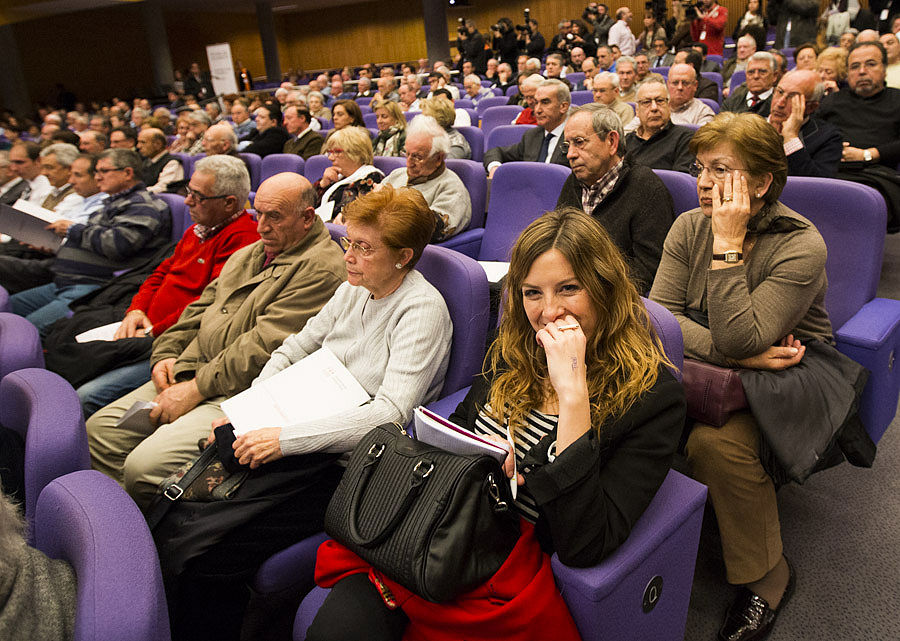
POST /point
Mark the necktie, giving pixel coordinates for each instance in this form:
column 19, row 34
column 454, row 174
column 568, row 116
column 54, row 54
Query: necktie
column 545, row 148
column 754, row 98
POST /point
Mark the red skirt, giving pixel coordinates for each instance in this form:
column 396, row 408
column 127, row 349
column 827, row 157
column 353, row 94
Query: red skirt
column 519, row 603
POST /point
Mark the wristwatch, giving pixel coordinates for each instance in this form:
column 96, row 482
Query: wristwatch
column 729, row 256
column 867, row 155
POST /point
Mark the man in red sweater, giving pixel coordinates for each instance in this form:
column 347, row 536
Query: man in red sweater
column 217, row 192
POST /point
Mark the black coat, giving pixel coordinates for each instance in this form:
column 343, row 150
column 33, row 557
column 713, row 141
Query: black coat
column 271, row 141
column 821, row 153
column 526, row 149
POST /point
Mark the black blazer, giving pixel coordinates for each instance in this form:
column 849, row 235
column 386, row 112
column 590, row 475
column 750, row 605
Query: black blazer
column 527, row 149
column 737, row 103
column 14, row 193
column 821, row 153
column 271, row 141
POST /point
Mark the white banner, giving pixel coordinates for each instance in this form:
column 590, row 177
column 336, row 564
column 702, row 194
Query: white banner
column 221, row 68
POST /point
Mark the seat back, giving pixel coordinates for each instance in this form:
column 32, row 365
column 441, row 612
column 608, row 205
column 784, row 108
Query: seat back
column 473, row 177
column 254, row 166
column 475, row 137
column 187, row 162
column 20, row 344
column 682, row 187
column 520, row 193
column 86, row 519
column 716, row 77
column 279, row 163
column 363, row 101
column 387, row 164
column 663, row 71
column 464, row 103
column 669, row 332
column 576, row 77
column 712, row 104
column 582, row 98
column 371, row 120
column 490, row 101
column 854, row 248
column 498, row 116
column 315, row 166
column 181, row 218
column 512, row 90
column 44, row 409
column 505, row 135
column 737, row 78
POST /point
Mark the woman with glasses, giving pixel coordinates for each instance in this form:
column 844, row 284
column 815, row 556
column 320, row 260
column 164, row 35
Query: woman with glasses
column 745, row 277
column 351, row 174
column 577, row 380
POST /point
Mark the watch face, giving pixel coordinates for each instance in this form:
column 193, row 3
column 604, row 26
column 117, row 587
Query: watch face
column 732, row 257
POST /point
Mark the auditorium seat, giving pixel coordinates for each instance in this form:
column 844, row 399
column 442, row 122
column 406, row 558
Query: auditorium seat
column 712, row 104
column 315, row 166
column 475, row 137
column 642, row 590
column 279, row 163
column 512, row 90
column 187, row 162
column 20, row 344
column 682, row 187
column 472, row 174
column 497, row 116
column 473, row 114
column 254, row 165
column 387, row 164
column 582, row 98
column 505, row 135
column 363, row 101
column 576, row 77
column 371, row 120
column 852, row 219
column 463, row 102
column 181, row 217
column 716, row 77
column 86, row 519
column 736, row 79
column 45, row 410
column 487, row 103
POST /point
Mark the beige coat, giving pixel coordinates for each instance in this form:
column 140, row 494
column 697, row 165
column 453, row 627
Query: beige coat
column 226, row 336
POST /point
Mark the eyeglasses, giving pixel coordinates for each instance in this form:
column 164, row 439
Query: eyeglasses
column 105, row 170
column 661, row 101
column 200, row 198
column 334, row 152
column 719, row 172
column 578, row 143
column 868, row 64
column 417, row 157
column 363, row 250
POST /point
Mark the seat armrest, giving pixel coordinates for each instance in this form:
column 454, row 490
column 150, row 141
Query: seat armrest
column 466, row 242
column 447, row 405
column 872, row 325
column 293, row 566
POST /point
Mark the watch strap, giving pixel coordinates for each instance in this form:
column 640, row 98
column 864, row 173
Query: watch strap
column 729, row 257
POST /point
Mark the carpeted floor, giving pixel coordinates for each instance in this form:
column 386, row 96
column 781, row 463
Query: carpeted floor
column 841, row 530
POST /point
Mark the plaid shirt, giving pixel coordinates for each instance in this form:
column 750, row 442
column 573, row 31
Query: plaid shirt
column 593, row 195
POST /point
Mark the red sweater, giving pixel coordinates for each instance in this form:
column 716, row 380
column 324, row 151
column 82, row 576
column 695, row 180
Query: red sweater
column 519, row 603
column 180, row 279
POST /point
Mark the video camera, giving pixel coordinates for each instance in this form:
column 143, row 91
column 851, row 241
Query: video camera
column 461, row 27
column 525, row 29
column 690, row 9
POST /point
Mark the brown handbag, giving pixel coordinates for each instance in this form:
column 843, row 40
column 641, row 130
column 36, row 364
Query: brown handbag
column 713, row 393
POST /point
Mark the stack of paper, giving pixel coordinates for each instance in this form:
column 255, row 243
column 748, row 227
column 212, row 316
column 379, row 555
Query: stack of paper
column 438, row 431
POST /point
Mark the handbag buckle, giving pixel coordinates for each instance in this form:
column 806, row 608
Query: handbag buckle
column 423, row 475
column 494, row 492
column 375, row 451
column 173, row 492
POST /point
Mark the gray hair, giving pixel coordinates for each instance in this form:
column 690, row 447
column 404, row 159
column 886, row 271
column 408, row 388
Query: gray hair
column 428, row 126
column 765, row 56
column 562, row 91
column 230, row 172
column 228, row 132
column 818, row 92
column 316, row 93
column 64, row 152
column 608, row 75
column 534, row 80
column 603, row 121
column 201, row 117
column 138, row 111
column 626, row 59
column 650, row 81
column 472, row 78
column 124, row 158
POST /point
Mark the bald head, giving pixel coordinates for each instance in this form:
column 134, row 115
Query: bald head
column 285, row 211
column 803, row 83
column 867, row 35
column 219, row 139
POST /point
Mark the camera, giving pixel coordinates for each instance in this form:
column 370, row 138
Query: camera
column 461, row 28
column 524, row 29
column 690, row 9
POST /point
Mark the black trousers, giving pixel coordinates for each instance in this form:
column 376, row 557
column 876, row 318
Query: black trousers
column 354, row 610
column 209, row 599
column 18, row 274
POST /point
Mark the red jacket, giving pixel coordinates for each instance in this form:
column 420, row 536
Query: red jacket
column 711, row 30
column 519, row 603
column 526, row 117
column 180, row 279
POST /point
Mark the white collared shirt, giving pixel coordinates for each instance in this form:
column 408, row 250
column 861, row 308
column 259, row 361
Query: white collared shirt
column 762, row 96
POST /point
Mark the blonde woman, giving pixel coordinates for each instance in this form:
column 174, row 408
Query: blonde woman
column 391, row 138
column 351, row 174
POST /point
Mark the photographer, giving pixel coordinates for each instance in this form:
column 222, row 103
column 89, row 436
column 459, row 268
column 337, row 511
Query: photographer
column 530, row 41
column 470, row 44
column 708, row 23
column 504, row 41
column 597, row 15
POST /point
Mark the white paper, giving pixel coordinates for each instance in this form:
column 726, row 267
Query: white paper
column 137, row 417
column 313, row 388
column 102, row 333
column 495, row 270
column 435, row 430
column 35, row 210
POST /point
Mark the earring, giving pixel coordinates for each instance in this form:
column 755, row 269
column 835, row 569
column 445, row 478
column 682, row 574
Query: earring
column 399, row 265
column 758, row 195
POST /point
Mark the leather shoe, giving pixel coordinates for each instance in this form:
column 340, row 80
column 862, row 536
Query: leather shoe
column 750, row 618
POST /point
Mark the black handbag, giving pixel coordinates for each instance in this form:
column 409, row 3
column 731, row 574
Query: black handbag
column 436, row 522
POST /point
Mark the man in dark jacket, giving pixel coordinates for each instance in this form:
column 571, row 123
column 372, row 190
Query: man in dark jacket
column 629, row 200
column 794, row 21
column 270, row 135
column 657, row 143
column 755, row 95
column 471, row 47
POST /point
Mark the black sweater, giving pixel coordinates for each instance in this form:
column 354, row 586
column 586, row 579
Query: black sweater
column 866, row 122
column 592, row 494
column 637, row 214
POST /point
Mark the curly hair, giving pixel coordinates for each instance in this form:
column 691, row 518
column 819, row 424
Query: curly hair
column 623, row 355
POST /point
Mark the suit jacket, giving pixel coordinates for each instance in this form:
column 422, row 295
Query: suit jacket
column 667, row 60
column 527, row 149
column 14, row 193
column 270, row 141
column 737, row 102
column 821, row 152
column 707, row 88
column 309, row 144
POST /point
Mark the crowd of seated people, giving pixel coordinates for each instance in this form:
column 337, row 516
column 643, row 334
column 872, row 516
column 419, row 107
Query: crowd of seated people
column 235, row 300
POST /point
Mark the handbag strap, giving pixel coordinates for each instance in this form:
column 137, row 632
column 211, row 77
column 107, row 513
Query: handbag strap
column 420, row 473
column 172, row 493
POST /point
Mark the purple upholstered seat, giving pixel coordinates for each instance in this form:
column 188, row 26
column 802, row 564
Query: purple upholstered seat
column 576, row 78
column 181, row 218
column 254, row 165
column 682, row 187
column 737, row 78
column 315, row 167
column 4, row 299
column 86, row 519
column 505, row 135
column 20, row 344
column 491, row 101
column 642, row 590
column 852, row 220
column 496, row 116
column 712, row 104
column 472, row 174
column 716, row 77
column 370, row 120
column 363, row 101
column 45, row 410
column 475, row 137
column 463, row 103
column 387, row 164
column 279, row 163
column 187, row 162
column 582, row 97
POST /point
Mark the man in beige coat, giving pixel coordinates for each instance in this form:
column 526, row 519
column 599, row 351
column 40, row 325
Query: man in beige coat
column 265, row 292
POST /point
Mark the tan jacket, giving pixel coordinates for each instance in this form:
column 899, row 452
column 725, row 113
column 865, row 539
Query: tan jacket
column 226, row 336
